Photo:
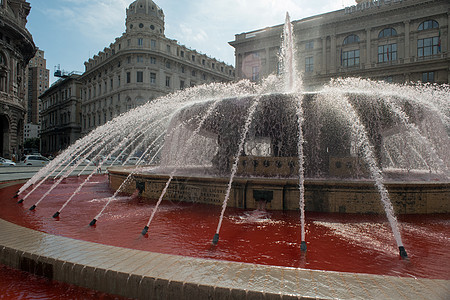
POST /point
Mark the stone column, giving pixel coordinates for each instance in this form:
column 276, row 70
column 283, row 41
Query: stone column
column 267, row 67
column 333, row 61
column 324, row 55
column 407, row 50
column 368, row 52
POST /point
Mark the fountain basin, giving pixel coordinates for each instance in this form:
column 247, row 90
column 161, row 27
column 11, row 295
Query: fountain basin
column 331, row 195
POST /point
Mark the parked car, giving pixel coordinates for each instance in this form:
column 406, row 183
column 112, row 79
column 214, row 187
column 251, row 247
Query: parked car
column 35, row 160
column 133, row 160
column 6, row 162
column 110, row 161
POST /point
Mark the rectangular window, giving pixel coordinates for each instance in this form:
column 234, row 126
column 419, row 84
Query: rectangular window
column 128, row 43
column 139, row 59
column 153, row 60
column 118, row 80
column 153, row 44
column 168, row 81
column 213, row 66
column 309, row 64
column 428, row 77
column 255, row 73
column 350, row 58
column 168, row 64
column 139, row 76
column 193, row 58
column 129, row 59
column 182, row 53
column 428, row 46
column 153, row 78
column 309, row 45
column 387, row 53
column 128, row 77
column 140, row 42
column 203, row 62
column 181, row 84
column 182, row 69
column 168, row 48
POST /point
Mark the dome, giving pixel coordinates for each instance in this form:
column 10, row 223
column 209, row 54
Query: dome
column 145, row 15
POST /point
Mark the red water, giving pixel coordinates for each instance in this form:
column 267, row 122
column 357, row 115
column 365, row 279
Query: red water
column 16, row 284
column 337, row 242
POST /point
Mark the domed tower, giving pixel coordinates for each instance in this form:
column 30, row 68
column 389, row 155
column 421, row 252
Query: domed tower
column 143, row 15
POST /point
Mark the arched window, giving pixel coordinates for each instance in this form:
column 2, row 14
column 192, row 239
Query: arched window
column 387, row 32
column 351, row 39
column 428, row 24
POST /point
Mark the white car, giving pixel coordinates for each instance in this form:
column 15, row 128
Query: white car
column 35, row 160
column 6, row 162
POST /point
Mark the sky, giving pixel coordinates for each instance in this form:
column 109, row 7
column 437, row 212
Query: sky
column 72, row 31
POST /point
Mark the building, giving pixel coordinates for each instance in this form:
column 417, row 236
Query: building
column 141, row 65
column 16, row 49
column 61, row 114
column 38, row 81
column 392, row 40
column 31, row 131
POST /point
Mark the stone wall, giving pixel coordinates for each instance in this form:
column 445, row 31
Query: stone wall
column 320, row 196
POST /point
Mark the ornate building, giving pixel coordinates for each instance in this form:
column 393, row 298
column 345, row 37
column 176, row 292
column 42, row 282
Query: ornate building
column 61, row 114
column 16, row 49
column 142, row 65
column 392, row 40
column 38, row 79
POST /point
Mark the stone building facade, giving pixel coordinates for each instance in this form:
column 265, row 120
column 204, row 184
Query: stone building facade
column 141, row 65
column 392, row 40
column 61, row 114
column 16, row 49
column 38, row 82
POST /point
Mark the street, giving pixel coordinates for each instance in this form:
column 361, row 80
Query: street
column 20, row 172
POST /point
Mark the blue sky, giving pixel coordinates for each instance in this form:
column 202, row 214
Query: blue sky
column 72, row 31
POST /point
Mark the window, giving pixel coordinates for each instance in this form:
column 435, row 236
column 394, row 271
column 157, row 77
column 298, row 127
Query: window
column 153, row 78
column 203, row 62
column 204, row 76
column 111, row 85
column 182, row 53
column 387, row 53
column 193, row 58
column 428, row 46
column 168, row 64
column 153, row 44
column 118, row 80
column 213, row 66
column 350, row 58
column 140, row 42
column 139, row 76
column 351, row 39
column 167, row 81
column 153, row 60
column 168, row 48
column 139, row 59
column 181, row 84
column 128, row 43
column 387, row 32
column 193, row 73
column 309, row 64
column 129, row 59
column 429, row 24
column 255, row 73
column 309, row 45
column 128, row 77
column 182, row 69
column 428, row 77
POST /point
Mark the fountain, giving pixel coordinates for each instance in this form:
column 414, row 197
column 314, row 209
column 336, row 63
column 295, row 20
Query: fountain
column 354, row 146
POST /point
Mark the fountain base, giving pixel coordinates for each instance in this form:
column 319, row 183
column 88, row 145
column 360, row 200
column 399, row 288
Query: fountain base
column 331, row 196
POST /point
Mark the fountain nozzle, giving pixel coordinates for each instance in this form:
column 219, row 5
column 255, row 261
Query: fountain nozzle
column 16, row 195
column 303, row 246
column 92, row 222
column 56, row 214
column 33, row 207
column 145, row 230
column 215, row 239
column 20, row 201
column 403, row 253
